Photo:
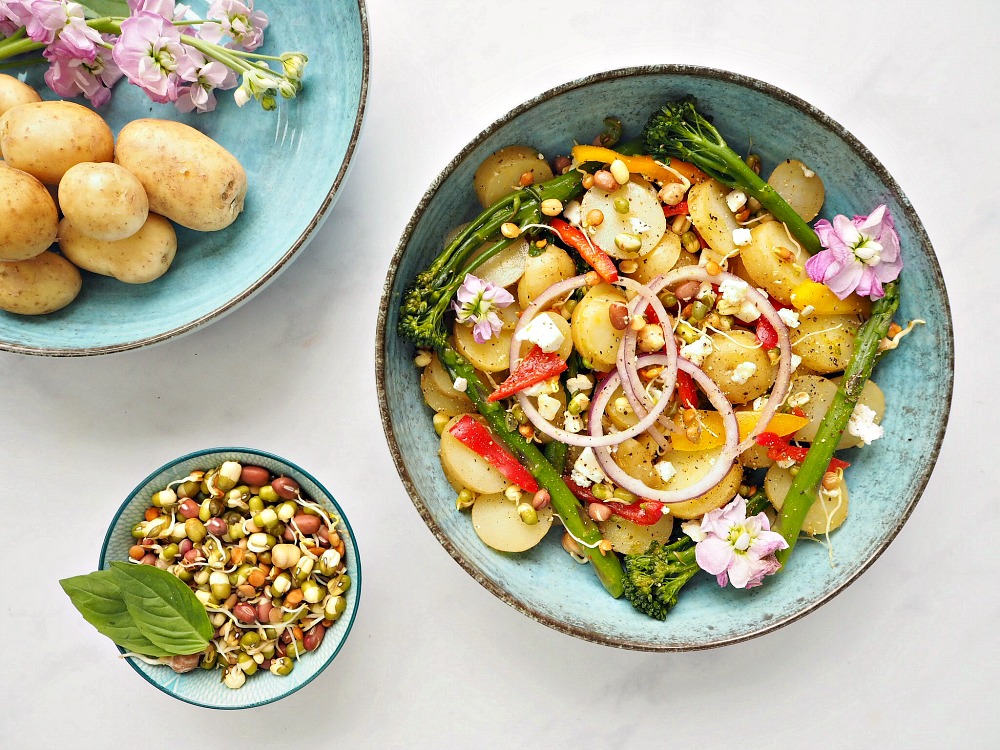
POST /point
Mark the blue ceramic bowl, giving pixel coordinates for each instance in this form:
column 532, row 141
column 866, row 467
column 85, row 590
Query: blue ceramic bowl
column 887, row 477
column 296, row 159
column 203, row 687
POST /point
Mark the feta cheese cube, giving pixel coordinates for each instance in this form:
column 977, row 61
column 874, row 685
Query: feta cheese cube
column 693, row 530
column 543, row 332
column 741, row 237
column 733, row 290
column 862, row 424
column 548, row 407
column 571, row 211
column 696, row 351
column 743, row 372
column 748, row 312
column 460, row 385
column 808, row 310
column 665, row 470
column 796, row 361
column 546, row 386
column 573, row 423
column 588, row 469
column 638, row 225
column 789, row 317
column 578, row 384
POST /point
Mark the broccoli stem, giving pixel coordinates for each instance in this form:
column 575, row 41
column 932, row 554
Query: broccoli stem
column 802, row 493
column 564, row 502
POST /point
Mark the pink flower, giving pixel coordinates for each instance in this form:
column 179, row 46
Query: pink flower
column 149, row 52
column 69, row 76
column 861, row 254
column 244, row 24
column 205, row 77
column 14, row 15
column 736, row 549
column 64, row 26
column 476, row 299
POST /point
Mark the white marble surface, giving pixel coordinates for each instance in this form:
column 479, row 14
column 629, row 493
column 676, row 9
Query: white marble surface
column 905, row 658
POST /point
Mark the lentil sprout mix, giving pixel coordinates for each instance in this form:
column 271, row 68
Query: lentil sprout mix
column 265, row 561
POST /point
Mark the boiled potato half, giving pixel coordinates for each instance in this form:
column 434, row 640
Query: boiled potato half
column 730, row 352
column 103, row 200
column 826, row 514
column 492, row 355
column 29, row 220
column 38, row 285
column 801, row 188
column 188, row 177
column 662, row 258
column 825, row 342
column 630, row 538
column 139, row 259
column 45, row 139
column 13, row 92
column 466, row 466
column 692, row 466
column 498, row 524
column 764, row 263
column 712, row 217
column 500, row 173
column 643, row 219
column 594, row 336
column 542, row 271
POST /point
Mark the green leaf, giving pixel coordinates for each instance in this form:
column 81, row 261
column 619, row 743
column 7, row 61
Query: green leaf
column 103, row 8
column 164, row 609
column 98, row 598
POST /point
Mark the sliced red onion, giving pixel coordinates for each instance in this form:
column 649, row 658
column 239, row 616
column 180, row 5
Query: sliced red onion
column 723, row 463
column 779, row 392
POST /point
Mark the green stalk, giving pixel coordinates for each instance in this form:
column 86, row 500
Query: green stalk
column 802, row 493
column 564, row 503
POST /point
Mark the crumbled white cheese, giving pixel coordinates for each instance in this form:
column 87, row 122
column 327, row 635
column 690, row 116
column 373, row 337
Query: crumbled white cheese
column 573, row 423
column 742, row 237
column 789, row 317
column 748, row 312
column 587, row 469
column 785, row 463
column 546, row 386
column 665, row 470
column 759, row 403
column 743, row 372
column 862, row 424
column 580, row 383
column 543, row 332
column 460, row 384
column 548, row 407
column 571, row 211
column 638, row 225
column 807, row 310
column 733, row 290
column 806, row 172
column 736, row 199
column 696, row 351
column 796, row 361
column 693, row 530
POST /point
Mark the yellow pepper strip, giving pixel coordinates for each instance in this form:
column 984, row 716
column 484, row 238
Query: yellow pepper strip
column 713, row 435
column 825, row 302
column 647, row 166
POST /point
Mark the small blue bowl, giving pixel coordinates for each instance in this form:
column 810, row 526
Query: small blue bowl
column 203, row 687
column 887, row 477
column 296, row 160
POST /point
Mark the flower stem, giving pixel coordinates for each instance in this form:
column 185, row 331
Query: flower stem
column 13, row 46
column 23, row 62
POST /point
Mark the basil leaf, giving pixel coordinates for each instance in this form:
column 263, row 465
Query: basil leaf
column 164, row 609
column 103, row 8
column 98, row 598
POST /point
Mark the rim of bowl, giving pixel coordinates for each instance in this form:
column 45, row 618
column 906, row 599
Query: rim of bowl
column 759, row 86
column 355, row 584
column 229, row 305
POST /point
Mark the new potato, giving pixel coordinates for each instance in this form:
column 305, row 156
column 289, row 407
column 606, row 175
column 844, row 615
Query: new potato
column 138, row 259
column 45, row 139
column 38, row 285
column 103, row 200
column 28, row 216
column 188, row 177
column 13, row 92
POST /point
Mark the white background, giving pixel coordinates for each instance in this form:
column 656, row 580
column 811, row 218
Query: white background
column 906, row 657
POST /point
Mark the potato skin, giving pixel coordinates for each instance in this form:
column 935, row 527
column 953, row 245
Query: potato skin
column 188, row 177
column 28, row 216
column 45, row 139
column 139, row 259
column 13, row 92
column 103, row 200
column 38, row 285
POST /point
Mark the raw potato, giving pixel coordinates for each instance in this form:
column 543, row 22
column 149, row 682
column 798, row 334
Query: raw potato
column 103, row 200
column 630, row 538
column 13, row 92
column 712, row 218
column 139, row 259
column 493, row 355
column 690, row 467
column 29, row 220
column 38, row 285
column 45, row 139
column 472, row 470
column 645, row 213
column 825, row 342
column 826, row 514
column 496, row 521
column 593, row 335
column 801, row 188
column 188, row 177
column 500, row 173
column 659, row 260
column 542, row 271
column 764, row 267
column 730, row 350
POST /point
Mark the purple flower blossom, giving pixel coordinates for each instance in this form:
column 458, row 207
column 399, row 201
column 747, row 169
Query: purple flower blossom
column 14, row 15
column 149, row 52
column 476, row 299
column 205, row 76
column 69, row 76
column 240, row 21
column 734, row 548
column 63, row 27
column 861, row 254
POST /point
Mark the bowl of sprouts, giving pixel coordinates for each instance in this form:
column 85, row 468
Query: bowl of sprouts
column 647, row 358
column 229, row 578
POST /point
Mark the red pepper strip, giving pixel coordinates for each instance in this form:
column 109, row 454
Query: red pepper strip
column 680, row 209
column 766, row 335
column 583, row 494
column 779, row 449
column 799, row 412
column 643, row 512
column 687, row 391
column 597, row 258
column 473, row 435
column 534, row 368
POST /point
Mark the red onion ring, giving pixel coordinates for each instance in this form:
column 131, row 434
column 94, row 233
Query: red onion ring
column 722, row 464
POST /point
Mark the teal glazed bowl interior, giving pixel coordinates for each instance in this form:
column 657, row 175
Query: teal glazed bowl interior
column 296, row 159
column 203, row 687
column 886, row 478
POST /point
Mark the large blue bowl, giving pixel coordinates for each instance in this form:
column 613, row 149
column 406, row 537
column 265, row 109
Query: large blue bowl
column 886, row 478
column 203, row 687
column 296, row 160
